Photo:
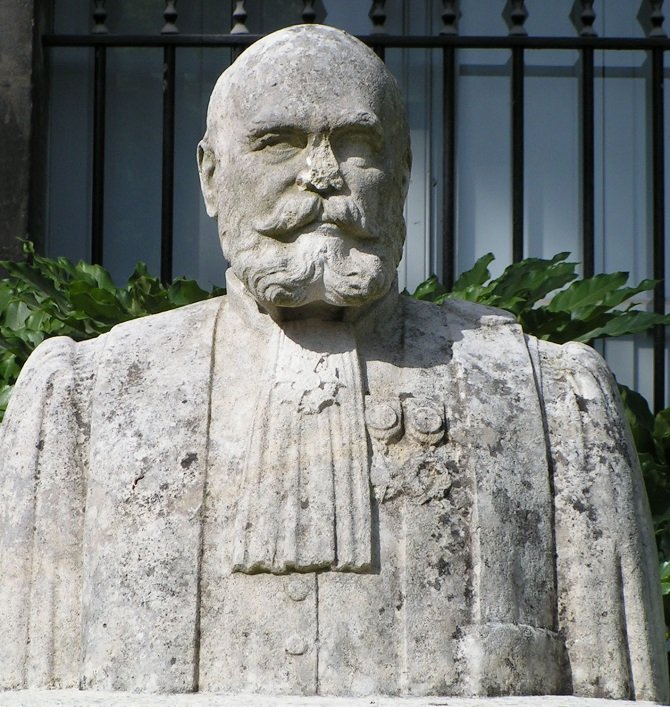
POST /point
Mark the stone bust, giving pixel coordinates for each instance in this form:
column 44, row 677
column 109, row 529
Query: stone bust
column 313, row 485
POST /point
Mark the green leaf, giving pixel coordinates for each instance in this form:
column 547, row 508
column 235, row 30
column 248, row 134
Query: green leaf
column 630, row 322
column 96, row 275
column 523, row 284
column 9, row 367
column 5, row 394
column 477, row 275
column 15, row 315
column 640, row 418
column 614, row 299
column 183, row 292
column 664, row 568
column 429, row 290
column 587, row 292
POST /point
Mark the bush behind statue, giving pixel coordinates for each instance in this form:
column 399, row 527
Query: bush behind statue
column 43, row 297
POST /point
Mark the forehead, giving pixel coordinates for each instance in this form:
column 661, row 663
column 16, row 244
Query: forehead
column 309, row 113
column 305, row 73
column 304, row 93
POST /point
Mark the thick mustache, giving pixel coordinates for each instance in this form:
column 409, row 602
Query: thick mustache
column 297, row 212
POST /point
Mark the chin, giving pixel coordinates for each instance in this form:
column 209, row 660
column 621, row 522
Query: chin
column 321, row 285
column 317, row 268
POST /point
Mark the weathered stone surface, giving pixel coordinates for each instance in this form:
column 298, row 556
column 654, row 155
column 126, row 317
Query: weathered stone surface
column 75, row 698
column 313, row 486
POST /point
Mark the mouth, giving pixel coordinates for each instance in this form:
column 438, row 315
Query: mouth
column 326, row 228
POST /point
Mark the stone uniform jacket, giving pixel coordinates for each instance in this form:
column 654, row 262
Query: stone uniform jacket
column 513, row 551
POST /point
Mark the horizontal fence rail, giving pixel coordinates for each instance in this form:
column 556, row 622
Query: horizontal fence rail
column 449, row 41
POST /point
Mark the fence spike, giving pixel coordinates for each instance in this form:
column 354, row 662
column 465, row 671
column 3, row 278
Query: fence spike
column 99, row 18
column 239, row 19
column 657, row 18
column 515, row 15
column 378, row 16
column 583, row 16
column 450, row 16
column 650, row 16
column 308, row 12
column 170, row 16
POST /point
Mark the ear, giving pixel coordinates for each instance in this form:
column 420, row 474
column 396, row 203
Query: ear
column 206, row 167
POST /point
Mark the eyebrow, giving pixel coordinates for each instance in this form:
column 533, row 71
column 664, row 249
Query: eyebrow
column 259, row 128
column 361, row 119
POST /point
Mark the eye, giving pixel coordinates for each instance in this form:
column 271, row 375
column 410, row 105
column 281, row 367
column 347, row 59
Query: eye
column 279, row 144
column 359, row 145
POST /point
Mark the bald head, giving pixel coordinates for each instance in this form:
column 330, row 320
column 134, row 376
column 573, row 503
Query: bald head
column 319, row 64
column 307, row 147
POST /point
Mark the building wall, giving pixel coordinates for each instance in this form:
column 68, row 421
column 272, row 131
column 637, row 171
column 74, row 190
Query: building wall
column 16, row 55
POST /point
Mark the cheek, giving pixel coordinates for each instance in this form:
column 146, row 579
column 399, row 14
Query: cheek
column 259, row 183
column 370, row 187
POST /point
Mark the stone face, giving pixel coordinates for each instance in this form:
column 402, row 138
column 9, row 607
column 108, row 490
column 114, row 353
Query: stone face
column 308, row 114
column 313, row 486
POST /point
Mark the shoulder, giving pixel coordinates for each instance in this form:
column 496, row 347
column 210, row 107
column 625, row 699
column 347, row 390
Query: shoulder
column 165, row 323
column 575, row 368
column 570, row 356
column 52, row 357
column 62, row 356
column 454, row 313
column 477, row 342
column 462, row 325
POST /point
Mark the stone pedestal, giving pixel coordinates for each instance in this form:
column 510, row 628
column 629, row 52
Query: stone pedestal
column 76, row 698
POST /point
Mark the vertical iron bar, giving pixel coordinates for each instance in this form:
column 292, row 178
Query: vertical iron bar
column 380, row 51
column 658, row 188
column 98, row 187
column 449, row 167
column 588, row 168
column 167, row 202
column 517, row 152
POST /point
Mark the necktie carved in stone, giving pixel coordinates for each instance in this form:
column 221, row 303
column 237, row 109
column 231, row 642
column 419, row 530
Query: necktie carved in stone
column 305, row 497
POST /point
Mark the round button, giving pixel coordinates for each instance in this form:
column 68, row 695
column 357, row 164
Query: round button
column 297, row 588
column 381, row 416
column 295, row 645
column 426, row 420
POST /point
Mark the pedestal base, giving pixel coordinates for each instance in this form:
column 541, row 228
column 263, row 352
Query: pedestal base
column 90, row 698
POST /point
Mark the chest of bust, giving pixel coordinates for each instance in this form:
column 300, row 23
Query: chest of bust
column 397, row 628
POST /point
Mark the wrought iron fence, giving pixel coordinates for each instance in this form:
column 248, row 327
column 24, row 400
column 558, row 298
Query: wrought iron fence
column 585, row 41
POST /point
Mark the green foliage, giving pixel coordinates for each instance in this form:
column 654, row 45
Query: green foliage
column 549, row 300
column 652, row 441
column 42, row 297
column 665, row 577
